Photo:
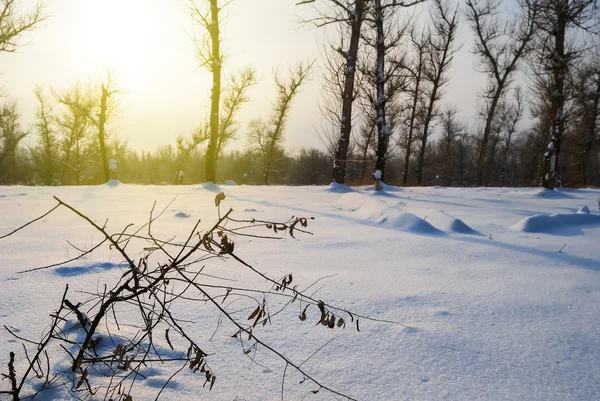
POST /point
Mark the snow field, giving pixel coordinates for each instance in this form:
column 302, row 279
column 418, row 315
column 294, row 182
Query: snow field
column 494, row 310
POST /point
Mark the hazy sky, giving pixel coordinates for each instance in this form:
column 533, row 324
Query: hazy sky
column 147, row 44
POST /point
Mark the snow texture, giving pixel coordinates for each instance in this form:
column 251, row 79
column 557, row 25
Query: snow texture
column 556, row 223
column 499, row 316
column 584, row 209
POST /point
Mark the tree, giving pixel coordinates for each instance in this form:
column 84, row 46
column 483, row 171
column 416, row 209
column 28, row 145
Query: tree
column 499, row 46
column 11, row 134
column 586, row 113
column 416, row 70
column 439, row 56
column 384, row 79
column 45, row 155
column 555, row 55
column 510, row 118
column 209, row 55
column 13, row 25
column 108, row 106
column 73, row 124
column 98, row 112
column 351, row 15
column 389, row 83
column 266, row 137
column 235, row 95
column 451, row 131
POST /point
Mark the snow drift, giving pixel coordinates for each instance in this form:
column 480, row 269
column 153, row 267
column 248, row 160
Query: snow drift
column 449, row 223
column 380, row 213
column 555, row 223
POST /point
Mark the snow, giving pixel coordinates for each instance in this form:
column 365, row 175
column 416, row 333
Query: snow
column 378, row 174
column 506, row 318
column 113, row 183
column 556, row 223
column 584, row 209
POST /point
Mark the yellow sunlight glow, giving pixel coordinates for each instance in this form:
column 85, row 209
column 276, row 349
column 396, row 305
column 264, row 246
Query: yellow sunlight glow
column 119, row 35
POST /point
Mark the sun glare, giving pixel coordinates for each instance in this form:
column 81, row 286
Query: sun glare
column 119, row 34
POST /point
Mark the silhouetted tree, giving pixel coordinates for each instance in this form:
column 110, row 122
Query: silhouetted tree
column 46, row 154
column 555, row 56
column 350, row 14
column 14, row 24
column 209, row 55
column 441, row 49
column 266, row 137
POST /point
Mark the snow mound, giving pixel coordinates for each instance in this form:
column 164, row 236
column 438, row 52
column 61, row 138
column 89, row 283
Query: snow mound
column 113, row 183
column 380, row 213
column 449, row 223
column 230, row 183
column 391, row 188
column 555, row 223
column 339, row 188
column 408, row 222
column 210, row 186
column 550, row 194
column 584, row 210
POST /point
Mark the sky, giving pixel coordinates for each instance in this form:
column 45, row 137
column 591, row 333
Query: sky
column 165, row 94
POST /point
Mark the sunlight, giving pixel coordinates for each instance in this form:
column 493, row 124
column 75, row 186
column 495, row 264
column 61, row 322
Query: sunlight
column 120, row 35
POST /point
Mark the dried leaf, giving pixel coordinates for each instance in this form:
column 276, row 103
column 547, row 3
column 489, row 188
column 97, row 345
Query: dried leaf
column 253, row 314
column 82, row 378
column 168, row 340
column 303, row 314
column 220, row 196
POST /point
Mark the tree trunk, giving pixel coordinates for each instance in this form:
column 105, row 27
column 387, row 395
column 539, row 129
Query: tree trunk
column 102, row 134
column 411, row 126
column 383, row 133
column 339, row 163
column 428, row 119
column 592, row 128
column 481, row 160
column 551, row 178
column 211, row 151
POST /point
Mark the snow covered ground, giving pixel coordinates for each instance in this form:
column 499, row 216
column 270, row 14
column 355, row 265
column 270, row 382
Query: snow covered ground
column 495, row 311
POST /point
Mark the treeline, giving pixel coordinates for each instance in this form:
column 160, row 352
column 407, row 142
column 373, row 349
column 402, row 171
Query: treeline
column 387, row 75
column 384, row 83
column 452, row 161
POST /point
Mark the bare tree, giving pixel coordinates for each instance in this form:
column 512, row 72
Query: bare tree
column 350, row 14
column 108, row 106
column 451, row 130
column 46, row 154
column 98, row 112
column 185, row 147
column 13, row 24
column 387, row 74
column 499, row 45
column 11, row 134
column 209, row 56
column 555, row 55
column 441, row 51
column 266, row 137
column 74, row 126
column 586, row 128
column 510, row 121
column 234, row 97
column 416, row 69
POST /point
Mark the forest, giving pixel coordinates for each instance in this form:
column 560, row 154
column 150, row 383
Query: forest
column 384, row 77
